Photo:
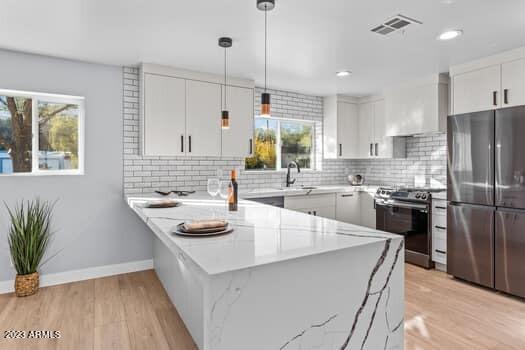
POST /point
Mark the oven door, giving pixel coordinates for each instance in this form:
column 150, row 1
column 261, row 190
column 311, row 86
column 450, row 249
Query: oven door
column 407, row 219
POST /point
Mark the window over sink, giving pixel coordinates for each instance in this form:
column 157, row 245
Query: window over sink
column 41, row 134
column 280, row 141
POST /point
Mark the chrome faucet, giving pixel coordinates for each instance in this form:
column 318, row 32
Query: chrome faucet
column 288, row 180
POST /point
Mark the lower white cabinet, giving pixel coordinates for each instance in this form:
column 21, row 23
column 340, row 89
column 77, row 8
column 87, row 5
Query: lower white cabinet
column 439, row 231
column 356, row 208
column 322, row 205
column 348, row 208
column 367, row 209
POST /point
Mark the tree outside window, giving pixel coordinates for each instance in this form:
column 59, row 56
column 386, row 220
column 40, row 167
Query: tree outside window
column 56, row 126
column 277, row 142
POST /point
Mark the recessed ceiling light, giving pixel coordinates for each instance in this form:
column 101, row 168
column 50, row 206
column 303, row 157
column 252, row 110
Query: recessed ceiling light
column 450, row 34
column 343, row 73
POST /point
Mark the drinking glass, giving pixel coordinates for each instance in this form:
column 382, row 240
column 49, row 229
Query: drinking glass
column 224, row 189
column 213, row 187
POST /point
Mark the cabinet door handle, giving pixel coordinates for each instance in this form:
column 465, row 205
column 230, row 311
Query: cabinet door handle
column 340, row 150
column 189, row 143
column 251, row 146
column 440, row 227
column 347, row 195
column 506, row 96
column 376, row 147
column 439, row 207
column 182, row 143
column 440, row 251
column 315, row 213
column 371, row 150
column 495, row 98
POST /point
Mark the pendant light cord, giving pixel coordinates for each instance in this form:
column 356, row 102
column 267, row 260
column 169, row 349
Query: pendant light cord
column 265, row 45
column 225, row 88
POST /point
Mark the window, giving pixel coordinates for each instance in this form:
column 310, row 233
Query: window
column 40, row 133
column 280, row 141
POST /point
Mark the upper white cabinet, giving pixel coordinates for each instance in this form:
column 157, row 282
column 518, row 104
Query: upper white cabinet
column 354, row 129
column 374, row 143
column 203, row 128
column 165, row 104
column 237, row 141
column 513, row 83
column 366, row 130
column 341, row 130
column 181, row 114
column 491, row 82
column 477, row 90
column 418, row 108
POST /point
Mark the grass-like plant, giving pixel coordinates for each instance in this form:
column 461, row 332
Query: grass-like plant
column 29, row 234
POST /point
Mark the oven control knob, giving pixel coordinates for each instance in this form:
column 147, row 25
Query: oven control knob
column 423, row 196
column 418, row 195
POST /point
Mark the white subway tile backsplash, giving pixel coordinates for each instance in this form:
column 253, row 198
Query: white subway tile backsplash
column 425, row 155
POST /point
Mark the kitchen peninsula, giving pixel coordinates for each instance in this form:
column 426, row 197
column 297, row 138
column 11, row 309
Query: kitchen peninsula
column 280, row 280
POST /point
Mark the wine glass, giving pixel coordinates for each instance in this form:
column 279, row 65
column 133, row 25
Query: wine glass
column 213, row 187
column 225, row 188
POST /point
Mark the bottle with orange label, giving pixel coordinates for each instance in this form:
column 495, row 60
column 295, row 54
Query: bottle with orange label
column 233, row 192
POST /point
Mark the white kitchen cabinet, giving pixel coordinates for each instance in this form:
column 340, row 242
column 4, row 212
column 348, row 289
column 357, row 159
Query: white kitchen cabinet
column 347, row 131
column 203, row 118
column 340, row 129
column 513, row 83
column 374, row 143
column 348, row 208
column 366, row 130
column 367, row 209
column 237, row 141
column 322, row 205
column 439, row 232
column 477, row 90
column 165, row 105
column 181, row 113
column 492, row 82
column 418, row 108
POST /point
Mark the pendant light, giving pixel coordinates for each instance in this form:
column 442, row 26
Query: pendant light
column 265, row 5
column 225, row 43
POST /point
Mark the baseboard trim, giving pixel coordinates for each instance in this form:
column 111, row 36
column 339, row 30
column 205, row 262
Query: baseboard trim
column 52, row 279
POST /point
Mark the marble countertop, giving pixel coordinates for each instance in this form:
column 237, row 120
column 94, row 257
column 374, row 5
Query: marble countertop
column 300, row 191
column 262, row 234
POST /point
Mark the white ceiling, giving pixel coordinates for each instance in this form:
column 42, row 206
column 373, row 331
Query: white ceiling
column 309, row 40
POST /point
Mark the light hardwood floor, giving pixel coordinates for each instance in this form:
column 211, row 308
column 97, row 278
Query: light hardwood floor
column 132, row 311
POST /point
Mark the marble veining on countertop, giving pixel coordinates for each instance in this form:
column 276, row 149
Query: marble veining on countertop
column 262, row 234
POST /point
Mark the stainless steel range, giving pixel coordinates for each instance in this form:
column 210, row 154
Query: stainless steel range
column 407, row 212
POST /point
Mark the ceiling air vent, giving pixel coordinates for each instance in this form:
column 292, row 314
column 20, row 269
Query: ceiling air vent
column 394, row 24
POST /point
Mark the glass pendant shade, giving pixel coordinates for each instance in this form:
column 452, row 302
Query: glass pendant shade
column 265, row 104
column 225, row 120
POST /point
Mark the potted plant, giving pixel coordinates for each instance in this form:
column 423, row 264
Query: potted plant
column 29, row 235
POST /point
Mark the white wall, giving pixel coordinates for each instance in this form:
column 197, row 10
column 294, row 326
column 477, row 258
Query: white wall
column 92, row 221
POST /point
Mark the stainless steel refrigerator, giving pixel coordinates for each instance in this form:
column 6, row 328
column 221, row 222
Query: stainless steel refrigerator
column 486, row 195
